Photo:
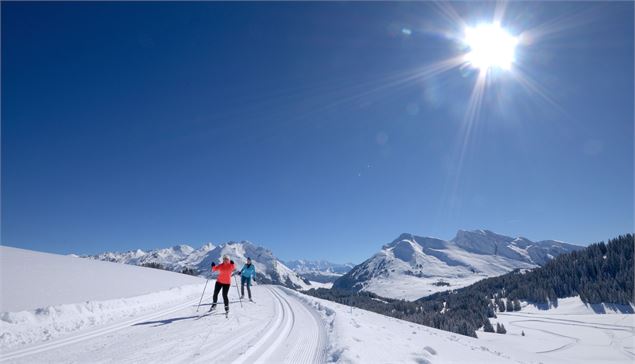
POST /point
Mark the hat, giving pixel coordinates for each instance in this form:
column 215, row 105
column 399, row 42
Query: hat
column 225, row 257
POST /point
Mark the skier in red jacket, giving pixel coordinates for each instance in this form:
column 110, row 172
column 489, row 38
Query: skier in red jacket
column 223, row 281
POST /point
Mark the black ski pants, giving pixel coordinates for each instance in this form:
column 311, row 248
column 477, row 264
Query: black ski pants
column 217, row 289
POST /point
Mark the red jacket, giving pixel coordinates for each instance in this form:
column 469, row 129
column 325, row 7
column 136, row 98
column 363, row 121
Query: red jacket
column 225, row 274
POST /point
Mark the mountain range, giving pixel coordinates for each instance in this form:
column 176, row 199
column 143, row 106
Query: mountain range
column 269, row 270
column 412, row 266
column 319, row 270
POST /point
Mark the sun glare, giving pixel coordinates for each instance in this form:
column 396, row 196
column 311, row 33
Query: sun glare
column 490, row 46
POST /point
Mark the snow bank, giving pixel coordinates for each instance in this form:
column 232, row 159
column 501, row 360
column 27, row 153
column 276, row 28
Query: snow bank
column 43, row 324
column 32, row 280
column 44, row 296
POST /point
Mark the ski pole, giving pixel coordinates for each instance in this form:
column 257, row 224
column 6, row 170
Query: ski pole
column 240, row 299
column 201, row 300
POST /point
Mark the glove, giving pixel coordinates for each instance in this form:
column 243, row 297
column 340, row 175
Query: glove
column 238, row 273
column 231, row 262
column 213, row 264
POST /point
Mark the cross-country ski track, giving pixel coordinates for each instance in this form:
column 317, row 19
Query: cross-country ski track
column 278, row 328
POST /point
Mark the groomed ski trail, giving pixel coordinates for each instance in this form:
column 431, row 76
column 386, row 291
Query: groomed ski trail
column 279, row 328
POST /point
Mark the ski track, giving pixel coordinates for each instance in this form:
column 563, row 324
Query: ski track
column 574, row 341
column 38, row 348
column 287, row 339
column 282, row 330
column 572, row 322
column 607, row 329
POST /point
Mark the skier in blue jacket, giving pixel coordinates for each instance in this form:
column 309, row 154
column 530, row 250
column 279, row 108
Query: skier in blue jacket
column 246, row 274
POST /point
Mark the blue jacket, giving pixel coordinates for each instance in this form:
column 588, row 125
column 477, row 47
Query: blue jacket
column 248, row 271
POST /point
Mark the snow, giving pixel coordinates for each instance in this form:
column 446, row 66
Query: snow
column 410, row 266
column 164, row 326
column 406, row 270
column 281, row 326
column 32, row 280
column 50, row 322
column 412, row 288
column 571, row 333
column 320, row 285
column 180, row 257
column 575, row 306
column 318, row 266
column 359, row 336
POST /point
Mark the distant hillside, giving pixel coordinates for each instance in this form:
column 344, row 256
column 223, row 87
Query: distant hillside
column 600, row 273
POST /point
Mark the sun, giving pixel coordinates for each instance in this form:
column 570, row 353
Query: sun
column 490, row 46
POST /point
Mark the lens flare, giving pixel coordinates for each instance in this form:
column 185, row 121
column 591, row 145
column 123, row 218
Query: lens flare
column 490, row 46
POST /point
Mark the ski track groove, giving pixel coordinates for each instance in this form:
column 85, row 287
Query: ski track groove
column 285, row 347
column 278, row 317
column 289, row 322
column 310, row 353
column 218, row 349
column 56, row 344
column 319, row 354
column 303, row 355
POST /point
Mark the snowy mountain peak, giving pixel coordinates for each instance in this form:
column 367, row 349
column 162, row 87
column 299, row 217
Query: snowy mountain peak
column 480, row 241
column 206, row 247
column 405, row 250
column 423, row 242
column 183, row 249
column 177, row 258
column 319, row 270
column 412, row 266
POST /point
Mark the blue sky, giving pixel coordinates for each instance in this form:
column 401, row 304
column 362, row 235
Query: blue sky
column 294, row 125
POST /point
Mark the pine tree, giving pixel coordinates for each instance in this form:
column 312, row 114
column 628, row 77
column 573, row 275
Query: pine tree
column 500, row 304
column 510, row 305
column 488, row 326
column 500, row 328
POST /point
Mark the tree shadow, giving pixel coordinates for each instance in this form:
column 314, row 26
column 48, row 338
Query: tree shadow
column 544, row 306
column 601, row 308
column 598, row 308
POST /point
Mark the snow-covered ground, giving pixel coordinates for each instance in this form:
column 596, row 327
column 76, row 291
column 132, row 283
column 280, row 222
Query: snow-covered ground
column 35, row 280
column 571, row 333
column 412, row 288
column 359, row 336
column 281, row 326
column 321, row 285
